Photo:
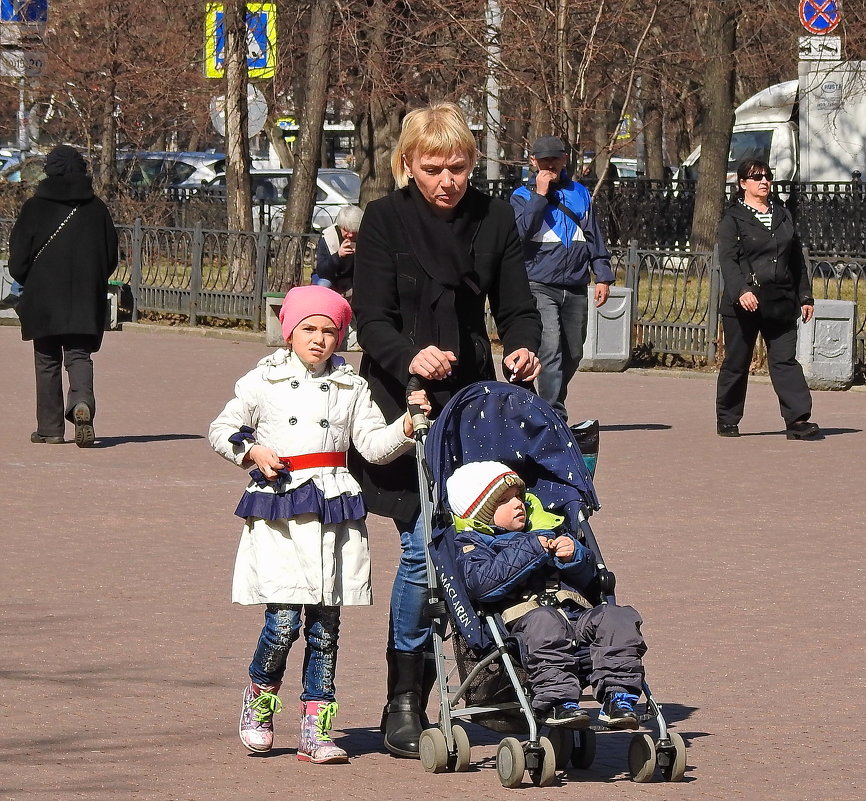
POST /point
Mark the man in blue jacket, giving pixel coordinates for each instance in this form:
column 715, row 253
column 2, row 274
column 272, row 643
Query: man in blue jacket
column 562, row 247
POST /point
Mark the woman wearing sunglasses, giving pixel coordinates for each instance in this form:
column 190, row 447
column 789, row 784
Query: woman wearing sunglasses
column 766, row 290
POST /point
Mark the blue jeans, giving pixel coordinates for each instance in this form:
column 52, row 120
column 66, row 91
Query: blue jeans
column 282, row 628
column 564, row 314
column 409, row 629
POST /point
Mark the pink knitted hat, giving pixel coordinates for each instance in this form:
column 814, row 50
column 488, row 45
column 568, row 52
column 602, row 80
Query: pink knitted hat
column 305, row 301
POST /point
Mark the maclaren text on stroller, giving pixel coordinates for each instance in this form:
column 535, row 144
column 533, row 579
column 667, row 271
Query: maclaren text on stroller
column 494, row 421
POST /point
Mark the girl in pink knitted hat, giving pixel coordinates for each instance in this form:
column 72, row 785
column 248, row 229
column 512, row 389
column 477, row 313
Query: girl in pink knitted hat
column 304, row 546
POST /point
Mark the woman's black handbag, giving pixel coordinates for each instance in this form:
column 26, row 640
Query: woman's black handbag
column 776, row 301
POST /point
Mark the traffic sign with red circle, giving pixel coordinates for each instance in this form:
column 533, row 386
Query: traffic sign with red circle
column 819, row 16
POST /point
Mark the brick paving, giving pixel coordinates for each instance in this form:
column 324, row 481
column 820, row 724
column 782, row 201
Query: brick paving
column 122, row 660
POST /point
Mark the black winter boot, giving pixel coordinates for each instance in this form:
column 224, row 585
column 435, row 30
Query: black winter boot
column 402, row 712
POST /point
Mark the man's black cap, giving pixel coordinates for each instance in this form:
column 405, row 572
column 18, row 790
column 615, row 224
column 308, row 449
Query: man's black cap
column 547, row 146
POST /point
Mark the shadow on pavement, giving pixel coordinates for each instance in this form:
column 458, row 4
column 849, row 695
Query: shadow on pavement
column 110, row 442
column 825, row 432
column 636, row 427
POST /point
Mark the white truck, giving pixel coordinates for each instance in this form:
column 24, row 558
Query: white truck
column 810, row 129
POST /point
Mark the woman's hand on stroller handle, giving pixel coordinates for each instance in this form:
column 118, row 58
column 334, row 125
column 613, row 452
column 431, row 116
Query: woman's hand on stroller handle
column 522, row 365
column 432, row 363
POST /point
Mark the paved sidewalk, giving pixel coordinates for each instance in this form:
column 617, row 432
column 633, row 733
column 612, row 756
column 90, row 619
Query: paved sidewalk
column 122, row 661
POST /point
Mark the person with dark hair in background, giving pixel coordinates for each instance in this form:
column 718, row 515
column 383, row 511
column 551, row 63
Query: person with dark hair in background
column 766, row 290
column 63, row 250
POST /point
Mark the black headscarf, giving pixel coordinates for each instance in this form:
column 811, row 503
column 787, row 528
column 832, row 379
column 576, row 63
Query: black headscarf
column 65, row 160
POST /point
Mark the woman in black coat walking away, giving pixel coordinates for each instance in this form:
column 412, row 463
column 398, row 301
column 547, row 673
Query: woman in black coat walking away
column 63, row 249
column 766, row 290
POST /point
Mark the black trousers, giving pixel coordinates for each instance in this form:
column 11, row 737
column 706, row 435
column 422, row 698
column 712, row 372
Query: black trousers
column 72, row 351
column 741, row 333
column 601, row 646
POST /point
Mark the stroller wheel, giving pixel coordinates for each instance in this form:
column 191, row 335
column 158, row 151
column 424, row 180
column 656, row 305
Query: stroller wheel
column 583, row 754
column 545, row 771
column 461, row 759
column 641, row 757
column 672, row 759
column 510, row 762
column 563, row 744
column 433, row 751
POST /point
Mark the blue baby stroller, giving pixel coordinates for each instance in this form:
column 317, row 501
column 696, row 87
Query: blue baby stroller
column 500, row 422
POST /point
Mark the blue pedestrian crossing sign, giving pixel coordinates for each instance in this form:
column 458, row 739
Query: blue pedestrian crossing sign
column 261, row 40
column 30, row 11
column 819, row 16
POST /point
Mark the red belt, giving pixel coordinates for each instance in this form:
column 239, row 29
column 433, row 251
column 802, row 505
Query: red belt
column 308, row 460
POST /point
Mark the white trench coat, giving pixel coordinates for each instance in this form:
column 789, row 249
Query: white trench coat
column 296, row 558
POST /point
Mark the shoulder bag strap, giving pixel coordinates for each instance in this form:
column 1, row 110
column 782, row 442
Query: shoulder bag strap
column 558, row 204
column 57, row 231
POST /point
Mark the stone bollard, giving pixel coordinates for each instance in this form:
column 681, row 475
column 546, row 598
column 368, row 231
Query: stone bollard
column 273, row 329
column 7, row 316
column 825, row 345
column 608, row 336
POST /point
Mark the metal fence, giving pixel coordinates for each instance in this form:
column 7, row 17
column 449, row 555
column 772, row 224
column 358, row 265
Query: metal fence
column 205, row 274
column 830, row 217
column 210, row 273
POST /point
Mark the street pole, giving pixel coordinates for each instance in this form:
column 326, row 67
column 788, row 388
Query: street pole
column 23, row 118
column 494, row 121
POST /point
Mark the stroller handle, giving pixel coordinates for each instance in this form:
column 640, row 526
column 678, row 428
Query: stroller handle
column 419, row 420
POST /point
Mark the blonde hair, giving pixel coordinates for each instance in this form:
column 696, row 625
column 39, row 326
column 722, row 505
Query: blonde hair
column 439, row 129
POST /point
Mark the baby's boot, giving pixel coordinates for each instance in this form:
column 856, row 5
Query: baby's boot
column 315, row 743
column 260, row 704
column 618, row 710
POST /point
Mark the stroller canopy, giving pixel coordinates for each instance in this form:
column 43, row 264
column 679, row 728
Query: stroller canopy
column 495, row 421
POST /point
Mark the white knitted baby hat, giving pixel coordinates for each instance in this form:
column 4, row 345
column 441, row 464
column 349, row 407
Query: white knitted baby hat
column 475, row 488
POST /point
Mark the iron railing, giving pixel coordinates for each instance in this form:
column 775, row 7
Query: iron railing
column 830, row 217
column 211, row 273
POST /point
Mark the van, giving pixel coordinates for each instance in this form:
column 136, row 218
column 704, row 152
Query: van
column 335, row 187
column 812, row 129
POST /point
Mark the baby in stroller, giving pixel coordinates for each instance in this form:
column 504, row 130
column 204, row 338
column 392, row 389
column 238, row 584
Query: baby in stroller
column 518, row 559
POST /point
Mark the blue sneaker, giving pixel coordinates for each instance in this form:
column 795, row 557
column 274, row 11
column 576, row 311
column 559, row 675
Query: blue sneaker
column 618, row 711
column 568, row 714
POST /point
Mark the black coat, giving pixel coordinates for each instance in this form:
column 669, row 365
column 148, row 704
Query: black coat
column 65, row 289
column 775, row 256
column 389, row 284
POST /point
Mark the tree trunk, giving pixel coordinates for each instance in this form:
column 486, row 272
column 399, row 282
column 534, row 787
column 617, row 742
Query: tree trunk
column 106, row 182
column 307, row 154
column 238, row 194
column 719, row 41
column 378, row 126
column 652, row 109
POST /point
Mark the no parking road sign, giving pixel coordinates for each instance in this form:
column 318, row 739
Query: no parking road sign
column 819, row 16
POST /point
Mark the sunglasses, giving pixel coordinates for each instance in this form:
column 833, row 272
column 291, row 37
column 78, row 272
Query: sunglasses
column 759, row 176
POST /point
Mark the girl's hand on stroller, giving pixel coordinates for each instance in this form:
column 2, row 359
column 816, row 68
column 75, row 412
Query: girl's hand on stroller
column 416, row 398
column 523, row 364
column 266, row 460
column 432, row 363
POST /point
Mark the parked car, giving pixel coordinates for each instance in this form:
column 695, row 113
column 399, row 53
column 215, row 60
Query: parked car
column 168, row 169
column 335, row 187
column 22, row 167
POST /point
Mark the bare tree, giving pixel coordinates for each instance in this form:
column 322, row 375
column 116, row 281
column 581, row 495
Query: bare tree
column 312, row 116
column 717, row 26
column 238, row 193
